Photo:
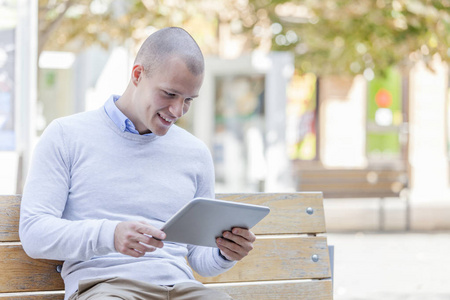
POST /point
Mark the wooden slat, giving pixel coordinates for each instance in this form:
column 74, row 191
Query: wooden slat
column 304, row 290
column 272, row 259
column 349, row 174
column 280, row 259
column 361, row 183
column 290, row 207
column 20, row 273
column 352, row 190
column 287, row 211
column 59, row 295
column 9, row 218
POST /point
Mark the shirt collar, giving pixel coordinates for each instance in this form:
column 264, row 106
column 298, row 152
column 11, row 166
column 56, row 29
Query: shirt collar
column 117, row 116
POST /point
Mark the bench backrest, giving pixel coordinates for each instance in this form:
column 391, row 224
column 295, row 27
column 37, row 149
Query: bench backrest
column 353, row 183
column 290, row 259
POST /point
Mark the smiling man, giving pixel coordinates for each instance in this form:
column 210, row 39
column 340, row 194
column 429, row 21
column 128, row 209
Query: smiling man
column 166, row 77
column 102, row 182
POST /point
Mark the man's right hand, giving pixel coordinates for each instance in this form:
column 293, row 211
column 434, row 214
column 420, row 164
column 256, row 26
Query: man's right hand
column 135, row 238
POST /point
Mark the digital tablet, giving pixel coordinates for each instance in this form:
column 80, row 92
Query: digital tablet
column 203, row 220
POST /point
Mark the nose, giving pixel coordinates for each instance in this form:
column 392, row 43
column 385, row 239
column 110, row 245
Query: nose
column 177, row 108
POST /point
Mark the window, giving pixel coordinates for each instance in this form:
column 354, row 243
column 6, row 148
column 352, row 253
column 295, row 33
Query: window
column 239, row 148
column 301, row 113
column 384, row 117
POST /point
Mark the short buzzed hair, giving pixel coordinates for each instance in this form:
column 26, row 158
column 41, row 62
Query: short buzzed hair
column 166, row 43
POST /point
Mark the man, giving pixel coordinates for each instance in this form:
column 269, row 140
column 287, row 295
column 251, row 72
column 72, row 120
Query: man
column 102, row 182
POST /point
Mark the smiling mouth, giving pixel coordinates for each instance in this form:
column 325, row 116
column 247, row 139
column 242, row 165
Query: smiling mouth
column 170, row 121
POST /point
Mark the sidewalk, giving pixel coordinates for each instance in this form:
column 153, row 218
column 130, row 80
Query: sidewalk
column 388, row 266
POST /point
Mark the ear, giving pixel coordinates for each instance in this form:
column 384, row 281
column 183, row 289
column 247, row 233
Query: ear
column 136, row 74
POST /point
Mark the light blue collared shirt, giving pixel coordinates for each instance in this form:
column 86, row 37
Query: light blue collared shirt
column 121, row 121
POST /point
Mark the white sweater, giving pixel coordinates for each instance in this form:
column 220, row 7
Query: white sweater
column 87, row 176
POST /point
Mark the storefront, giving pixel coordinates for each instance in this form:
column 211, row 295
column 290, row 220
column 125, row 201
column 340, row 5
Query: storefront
column 272, row 129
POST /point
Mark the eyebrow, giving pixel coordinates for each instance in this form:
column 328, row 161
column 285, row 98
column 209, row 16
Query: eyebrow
column 178, row 93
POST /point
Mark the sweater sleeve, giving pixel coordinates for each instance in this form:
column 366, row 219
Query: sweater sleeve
column 206, row 261
column 43, row 231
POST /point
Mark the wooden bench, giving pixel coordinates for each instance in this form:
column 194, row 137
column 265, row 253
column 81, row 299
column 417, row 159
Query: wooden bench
column 377, row 183
column 290, row 259
column 352, row 183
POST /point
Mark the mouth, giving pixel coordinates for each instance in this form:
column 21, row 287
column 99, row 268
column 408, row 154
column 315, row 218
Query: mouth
column 166, row 120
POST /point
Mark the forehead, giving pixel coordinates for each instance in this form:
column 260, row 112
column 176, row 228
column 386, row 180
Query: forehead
column 175, row 75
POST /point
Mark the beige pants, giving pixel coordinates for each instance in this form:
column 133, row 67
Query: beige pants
column 126, row 289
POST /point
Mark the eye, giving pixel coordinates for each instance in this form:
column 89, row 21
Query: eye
column 171, row 95
column 188, row 100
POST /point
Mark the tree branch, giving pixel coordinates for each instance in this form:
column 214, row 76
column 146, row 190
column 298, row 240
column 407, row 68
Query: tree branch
column 45, row 33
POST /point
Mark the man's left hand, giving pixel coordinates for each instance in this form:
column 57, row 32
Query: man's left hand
column 236, row 244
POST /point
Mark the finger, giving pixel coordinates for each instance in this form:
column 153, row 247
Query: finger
column 245, row 233
column 232, row 247
column 229, row 254
column 143, row 248
column 132, row 252
column 149, row 241
column 147, row 229
column 239, row 241
column 137, row 249
column 128, row 240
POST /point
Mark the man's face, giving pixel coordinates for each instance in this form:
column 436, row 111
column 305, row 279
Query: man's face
column 162, row 98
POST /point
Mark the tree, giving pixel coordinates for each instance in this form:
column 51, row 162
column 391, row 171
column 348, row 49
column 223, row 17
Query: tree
column 74, row 25
column 327, row 37
column 366, row 36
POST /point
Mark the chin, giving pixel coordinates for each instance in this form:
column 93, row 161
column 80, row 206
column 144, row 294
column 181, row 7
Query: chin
column 160, row 132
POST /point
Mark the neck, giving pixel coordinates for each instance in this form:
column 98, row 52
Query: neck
column 123, row 102
column 124, row 105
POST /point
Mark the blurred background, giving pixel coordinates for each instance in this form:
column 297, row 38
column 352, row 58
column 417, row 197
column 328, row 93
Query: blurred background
column 350, row 98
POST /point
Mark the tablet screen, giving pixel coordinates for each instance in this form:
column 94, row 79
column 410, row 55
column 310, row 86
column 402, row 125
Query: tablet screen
column 202, row 220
